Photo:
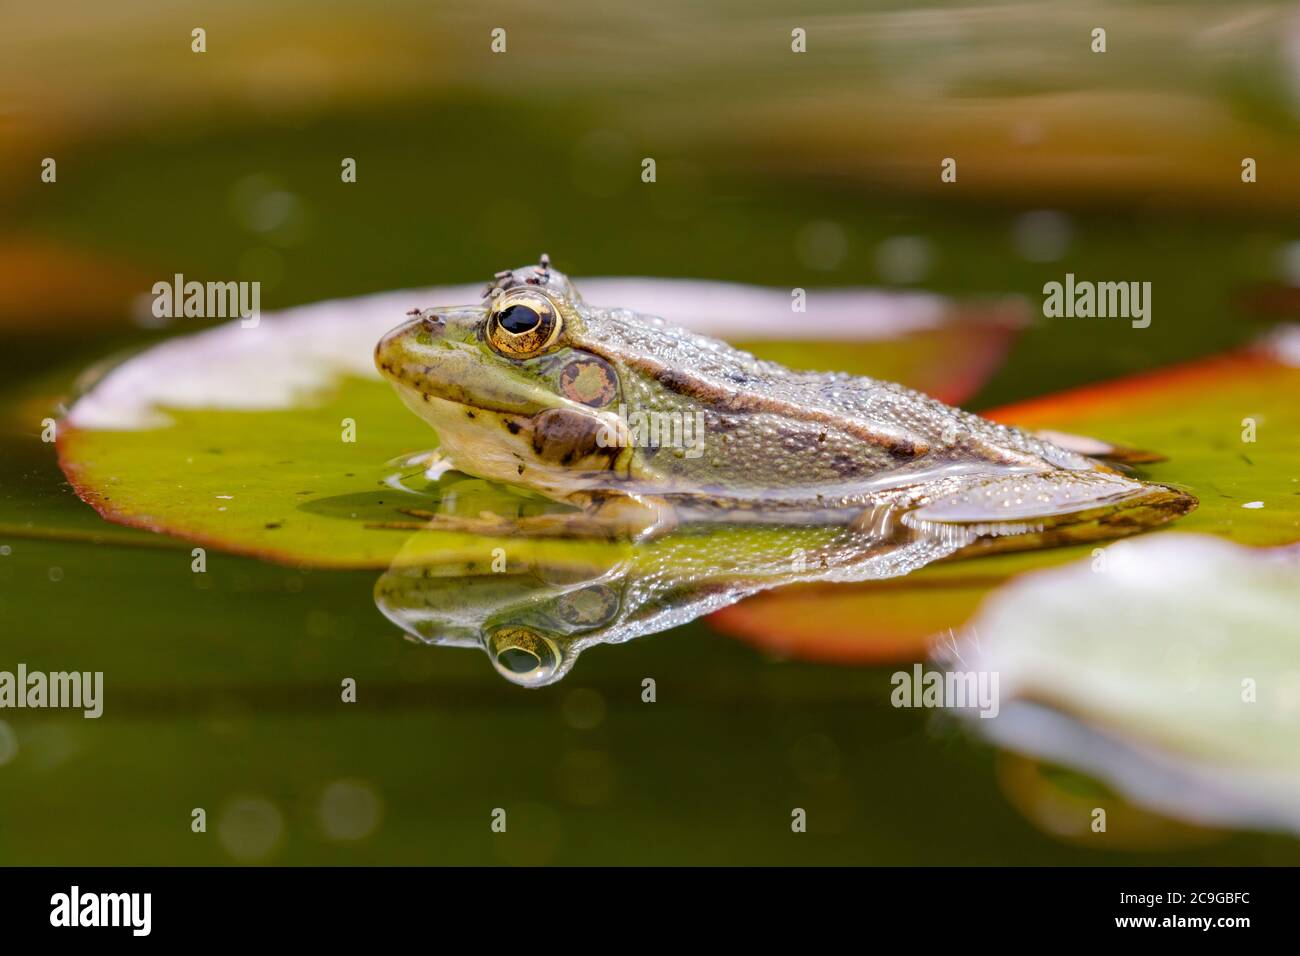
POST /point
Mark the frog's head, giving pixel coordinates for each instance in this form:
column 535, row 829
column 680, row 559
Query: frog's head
column 511, row 394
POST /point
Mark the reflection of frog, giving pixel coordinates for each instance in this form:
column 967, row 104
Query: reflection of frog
column 537, row 388
column 535, row 618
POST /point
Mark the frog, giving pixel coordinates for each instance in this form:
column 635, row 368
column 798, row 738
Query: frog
column 641, row 427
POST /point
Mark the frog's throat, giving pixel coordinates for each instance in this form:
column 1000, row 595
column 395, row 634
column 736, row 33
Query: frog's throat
column 549, row 452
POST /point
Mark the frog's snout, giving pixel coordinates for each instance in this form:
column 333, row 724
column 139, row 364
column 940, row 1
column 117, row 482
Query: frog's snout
column 392, row 348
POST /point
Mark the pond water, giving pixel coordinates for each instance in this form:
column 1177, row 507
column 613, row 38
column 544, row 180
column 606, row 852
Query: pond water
column 302, row 709
column 283, row 702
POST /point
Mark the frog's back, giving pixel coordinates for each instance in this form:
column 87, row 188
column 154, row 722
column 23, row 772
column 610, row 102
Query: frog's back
column 800, row 438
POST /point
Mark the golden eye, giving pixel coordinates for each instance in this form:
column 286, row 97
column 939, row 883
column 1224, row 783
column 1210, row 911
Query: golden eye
column 522, row 324
column 523, row 656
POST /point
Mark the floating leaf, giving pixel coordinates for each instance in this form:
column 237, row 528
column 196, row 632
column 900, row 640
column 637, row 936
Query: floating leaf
column 1171, row 669
column 279, row 439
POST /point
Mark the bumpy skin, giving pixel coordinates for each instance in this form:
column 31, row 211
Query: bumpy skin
column 776, row 443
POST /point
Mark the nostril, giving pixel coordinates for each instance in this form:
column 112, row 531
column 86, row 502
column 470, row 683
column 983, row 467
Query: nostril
column 432, row 322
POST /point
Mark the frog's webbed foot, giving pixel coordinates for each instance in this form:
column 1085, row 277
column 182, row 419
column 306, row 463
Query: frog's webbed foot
column 616, row 517
column 431, row 464
column 435, row 463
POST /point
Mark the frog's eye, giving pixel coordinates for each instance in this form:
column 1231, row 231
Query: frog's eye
column 523, row 656
column 522, row 324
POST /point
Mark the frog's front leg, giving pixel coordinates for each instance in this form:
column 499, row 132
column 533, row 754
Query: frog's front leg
column 611, row 516
column 434, row 464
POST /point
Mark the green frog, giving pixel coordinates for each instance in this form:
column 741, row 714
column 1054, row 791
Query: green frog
column 644, row 427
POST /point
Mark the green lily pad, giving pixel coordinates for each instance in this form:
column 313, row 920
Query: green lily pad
column 1229, row 426
column 281, row 441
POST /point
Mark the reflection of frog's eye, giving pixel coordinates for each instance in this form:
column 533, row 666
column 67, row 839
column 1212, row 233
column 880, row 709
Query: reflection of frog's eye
column 523, row 656
column 522, row 324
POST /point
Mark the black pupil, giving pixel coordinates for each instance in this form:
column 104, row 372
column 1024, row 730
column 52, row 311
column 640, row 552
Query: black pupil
column 518, row 661
column 519, row 319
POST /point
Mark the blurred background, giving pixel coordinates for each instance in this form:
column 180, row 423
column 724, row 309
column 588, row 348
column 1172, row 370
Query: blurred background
column 775, row 168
